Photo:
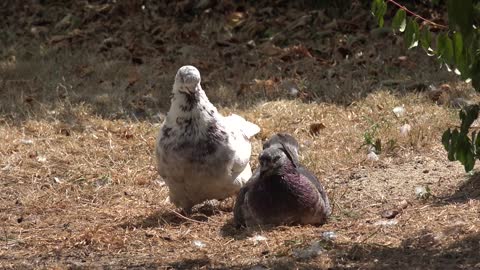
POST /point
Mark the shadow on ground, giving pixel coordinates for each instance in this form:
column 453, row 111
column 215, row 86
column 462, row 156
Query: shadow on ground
column 418, row 252
column 467, row 190
column 164, row 217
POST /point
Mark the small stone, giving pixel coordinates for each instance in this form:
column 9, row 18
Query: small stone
column 160, row 182
column 426, row 171
column 292, row 91
column 26, row 141
column 257, row 238
column 399, row 111
column 329, row 235
column 403, row 204
column 389, row 214
column 251, row 44
column 422, row 192
column 199, row 244
column 390, row 222
column 372, row 156
column 57, row 180
column 312, row 251
column 405, row 129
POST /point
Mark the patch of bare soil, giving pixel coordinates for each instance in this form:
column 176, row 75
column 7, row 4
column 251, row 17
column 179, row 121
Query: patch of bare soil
column 84, row 86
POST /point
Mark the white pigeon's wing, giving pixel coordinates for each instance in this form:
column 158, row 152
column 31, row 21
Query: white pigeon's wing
column 235, row 121
column 239, row 131
column 242, row 149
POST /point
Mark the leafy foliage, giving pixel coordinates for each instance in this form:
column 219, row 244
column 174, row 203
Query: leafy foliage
column 457, row 143
column 379, row 7
column 458, row 48
column 370, row 141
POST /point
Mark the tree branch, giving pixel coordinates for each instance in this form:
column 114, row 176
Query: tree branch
column 416, row 15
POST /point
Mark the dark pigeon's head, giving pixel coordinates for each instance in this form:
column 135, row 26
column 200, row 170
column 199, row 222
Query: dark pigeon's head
column 273, row 159
column 284, row 140
column 187, row 80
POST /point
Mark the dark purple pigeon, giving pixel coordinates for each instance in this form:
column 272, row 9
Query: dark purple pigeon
column 284, row 140
column 281, row 191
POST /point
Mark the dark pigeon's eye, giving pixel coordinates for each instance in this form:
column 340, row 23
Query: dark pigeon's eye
column 275, row 159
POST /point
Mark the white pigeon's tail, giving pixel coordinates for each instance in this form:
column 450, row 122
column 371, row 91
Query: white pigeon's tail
column 249, row 129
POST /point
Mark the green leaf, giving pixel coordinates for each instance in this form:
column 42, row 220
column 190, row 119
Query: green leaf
column 452, row 146
column 379, row 7
column 477, row 145
column 449, row 52
column 469, row 161
column 399, row 21
column 460, row 15
column 440, row 45
column 411, row 34
column 447, row 135
column 458, row 45
column 462, row 62
column 464, row 152
column 476, row 74
column 468, row 115
column 425, row 38
column 445, row 48
column 474, row 138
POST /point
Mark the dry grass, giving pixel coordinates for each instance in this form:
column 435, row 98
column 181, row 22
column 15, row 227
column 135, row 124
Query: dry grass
column 78, row 185
column 84, row 194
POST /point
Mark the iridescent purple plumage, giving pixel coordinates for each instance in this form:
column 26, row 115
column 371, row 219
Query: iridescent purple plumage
column 281, row 191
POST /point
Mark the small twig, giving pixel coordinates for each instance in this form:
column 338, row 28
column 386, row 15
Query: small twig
column 416, row 15
column 186, row 218
column 354, row 253
column 370, row 236
column 6, row 236
column 228, row 242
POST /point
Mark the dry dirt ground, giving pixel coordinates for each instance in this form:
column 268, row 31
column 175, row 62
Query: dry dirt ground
column 83, row 92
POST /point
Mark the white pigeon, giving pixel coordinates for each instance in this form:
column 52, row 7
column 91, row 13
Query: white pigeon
column 201, row 154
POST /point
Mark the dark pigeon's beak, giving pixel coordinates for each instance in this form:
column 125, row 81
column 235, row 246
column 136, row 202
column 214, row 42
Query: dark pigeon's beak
column 267, row 162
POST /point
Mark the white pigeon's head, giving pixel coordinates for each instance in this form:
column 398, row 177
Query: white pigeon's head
column 187, row 79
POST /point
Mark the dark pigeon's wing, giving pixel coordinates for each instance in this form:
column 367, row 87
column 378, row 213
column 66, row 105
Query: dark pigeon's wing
column 238, row 217
column 313, row 179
